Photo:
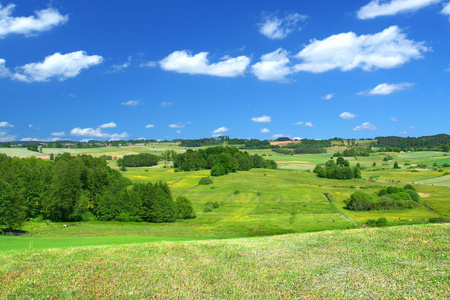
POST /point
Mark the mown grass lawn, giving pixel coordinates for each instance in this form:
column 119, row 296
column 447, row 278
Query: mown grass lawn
column 389, row 263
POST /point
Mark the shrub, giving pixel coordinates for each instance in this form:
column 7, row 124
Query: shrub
column 409, row 187
column 413, row 194
column 438, row 220
column 205, row 181
column 208, row 208
column 218, row 170
column 236, row 192
column 184, row 208
column 359, row 201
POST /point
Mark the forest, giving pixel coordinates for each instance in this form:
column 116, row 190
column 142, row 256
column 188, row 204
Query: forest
column 75, row 188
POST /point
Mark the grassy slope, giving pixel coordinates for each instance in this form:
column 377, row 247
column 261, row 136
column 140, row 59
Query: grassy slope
column 393, row 263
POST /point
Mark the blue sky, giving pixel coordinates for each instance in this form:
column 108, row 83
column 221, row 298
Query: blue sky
column 84, row 70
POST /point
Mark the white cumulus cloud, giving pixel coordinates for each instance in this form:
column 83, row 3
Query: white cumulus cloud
column 386, row 89
column 220, row 130
column 262, row 119
column 264, row 130
column 273, row 66
column 377, row 8
column 61, row 66
column 6, row 137
column 278, row 28
column 309, row 124
column 44, row 20
column 347, row 116
column 98, row 133
column 347, row 51
column 149, row 126
column 6, row 125
column 365, row 126
column 108, row 125
column 185, row 62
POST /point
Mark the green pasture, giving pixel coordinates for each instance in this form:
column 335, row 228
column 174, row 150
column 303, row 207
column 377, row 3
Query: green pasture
column 20, row 243
column 19, row 152
column 408, row 262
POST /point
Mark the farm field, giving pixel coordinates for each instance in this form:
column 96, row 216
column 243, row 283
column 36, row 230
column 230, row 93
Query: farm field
column 391, row 263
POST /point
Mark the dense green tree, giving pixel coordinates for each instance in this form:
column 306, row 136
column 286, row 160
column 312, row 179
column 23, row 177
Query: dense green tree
column 12, row 208
column 184, row 208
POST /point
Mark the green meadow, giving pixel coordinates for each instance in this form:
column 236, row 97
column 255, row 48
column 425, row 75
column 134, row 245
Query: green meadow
column 408, row 262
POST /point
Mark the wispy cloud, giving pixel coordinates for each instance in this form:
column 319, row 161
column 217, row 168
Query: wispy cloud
column 394, row 119
column 60, row 66
column 386, row 89
column 185, row 62
column 365, row 126
column 446, row 9
column 120, row 67
column 277, row 28
column 262, row 119
column 166, row 104
column 6, row 137
column 108, row 125
column 179, row 125
column 44, row 20
column 149, row 126
column 306, row 124
column 347, row 116
column 132, row 102
column 61, row 133
column 377, row 8
column 328, row 97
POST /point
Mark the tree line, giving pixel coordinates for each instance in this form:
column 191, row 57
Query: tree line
column 74, row 188
column 433, row 142
column 220, row 160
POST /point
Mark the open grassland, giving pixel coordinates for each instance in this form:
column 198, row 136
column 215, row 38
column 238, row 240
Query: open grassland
column 409, row 262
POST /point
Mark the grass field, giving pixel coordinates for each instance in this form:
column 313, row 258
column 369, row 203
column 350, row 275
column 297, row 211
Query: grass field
column 409, row 262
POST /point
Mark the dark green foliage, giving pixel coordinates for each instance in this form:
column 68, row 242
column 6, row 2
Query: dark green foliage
column 205, row 181
column 308, row 150
column 138, row 160
column 351, row 152
column 210, row 206
column 338, row 170
column 409, row 187
column 359, row 201
column 386, row 158
column 75, row 188
column 282, row 151
column 381, row 222
column 396, row 165
column 12, row 207
column 390, row 198
column 236, row 192
column 438, row 220
column 33, row 147
column 436, row 142
column 221, row 161
column 184, row 208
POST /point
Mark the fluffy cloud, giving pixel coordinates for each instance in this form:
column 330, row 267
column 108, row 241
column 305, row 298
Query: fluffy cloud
column 386, row 89
column 62, row 133
column 6, row 125
column 264, row 130
column 61, row 66
column 273, row 66
column 220, row 130
column 149, row 126
column 184, row 62
column 4, row 72
column 262, row 119
column 309, row 124
column 98, row 133
column 347, row 51
column 328, row 97
column 132, row 102
column 275, row 28
column 347, row 116
column 108, row 125
column 377, row 8
column 44, row 20
column 365, row 126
